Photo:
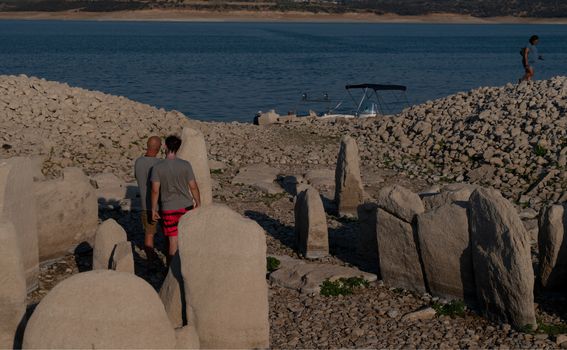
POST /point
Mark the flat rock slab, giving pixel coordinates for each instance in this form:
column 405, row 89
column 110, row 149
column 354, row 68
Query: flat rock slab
column 321, row 178
column 260, row 176
column 307, row 278
column 109, row 188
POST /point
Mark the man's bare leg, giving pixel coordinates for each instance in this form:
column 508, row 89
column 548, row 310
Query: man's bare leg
column 149, row 246
column 528, row 75
column 172, row 249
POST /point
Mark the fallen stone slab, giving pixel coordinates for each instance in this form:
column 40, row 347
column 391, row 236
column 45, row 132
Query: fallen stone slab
column 17, row 206
column 13, row 291
column 194, row 150
column 400, row 202
column 422, row 314
column 109, row 188
column 311, row 225
column 553, row 248
column 107, row 236
column 349, row 193
column 321, row 178
column 449, row 194
column 122, row 312
column 67, row 213
column 501, row 260
column 307, row 277
column 260, row 176
column 400, row 265
column 223, row 264
column 445, row 250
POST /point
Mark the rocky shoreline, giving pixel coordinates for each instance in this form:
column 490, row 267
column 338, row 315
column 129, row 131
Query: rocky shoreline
column 422, row 147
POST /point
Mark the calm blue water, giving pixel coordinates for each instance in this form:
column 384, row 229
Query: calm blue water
column 229, row 71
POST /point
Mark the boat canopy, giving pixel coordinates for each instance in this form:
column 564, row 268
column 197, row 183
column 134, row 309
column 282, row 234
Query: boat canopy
column 377, row 87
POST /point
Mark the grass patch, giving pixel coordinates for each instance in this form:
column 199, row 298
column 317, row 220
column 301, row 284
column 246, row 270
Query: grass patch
column 552, row 329
column 216, row 171
column 540, row 151
column 342, row 286
column 270, row 198
column 455, row 308
column 272, row 264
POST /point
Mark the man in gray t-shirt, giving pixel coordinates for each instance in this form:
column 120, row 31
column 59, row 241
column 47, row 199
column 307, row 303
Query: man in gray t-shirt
column 142, row 169
column 175, row 190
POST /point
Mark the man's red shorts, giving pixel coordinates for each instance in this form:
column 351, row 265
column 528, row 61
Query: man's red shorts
column 170, row 220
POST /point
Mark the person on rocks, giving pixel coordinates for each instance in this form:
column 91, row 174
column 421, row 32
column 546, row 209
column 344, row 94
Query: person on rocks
column 175, row 190
column 529, row 57
column 142, row 168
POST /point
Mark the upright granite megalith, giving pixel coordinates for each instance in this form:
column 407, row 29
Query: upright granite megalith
column 13, row 282
column 67, row 212
column 311, row 225
column 194, row 150
column 223, row 263
column 108, row 235
column 17, row 205
column 100, row 310
column 501, row 260
column 348, row 182
column 553, row 247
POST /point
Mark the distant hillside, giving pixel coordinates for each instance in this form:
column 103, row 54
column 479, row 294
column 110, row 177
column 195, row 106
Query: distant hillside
column 477, row 8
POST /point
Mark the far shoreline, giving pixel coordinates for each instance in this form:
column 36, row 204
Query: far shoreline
column 159, row 15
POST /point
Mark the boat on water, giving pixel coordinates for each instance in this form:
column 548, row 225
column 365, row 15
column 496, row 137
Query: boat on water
column 362, row 101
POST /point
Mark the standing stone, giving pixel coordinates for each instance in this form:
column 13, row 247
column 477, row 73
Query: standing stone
column 553, row 247
column 399, row 259
column 13, row 282
column 187, row 338
column 108, row 234
column 445, row 249
column 401, row 202
column 311, row 225
column 122, row 258
column 100, row 310
column 17, row 205
column 501, row 260
column 223, row 264
column 367, row 246
column 67, row 213
column 172, row 294
column 348, row 183
column 194, row 150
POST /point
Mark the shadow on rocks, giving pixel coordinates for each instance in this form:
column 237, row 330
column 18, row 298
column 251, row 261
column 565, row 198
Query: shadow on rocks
column 83, row 254
column 275, row 228
column 343, row 245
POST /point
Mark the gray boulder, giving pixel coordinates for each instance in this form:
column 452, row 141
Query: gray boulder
column 445, row 250
column 100, row 310
column 108, row 235
column 397, row 250
column 349, row 193
column 122, row 258
column 501, row 260
column 311, row 225
column 401, row 202
column 67, row 213
column 194, row 150
column 553, row 247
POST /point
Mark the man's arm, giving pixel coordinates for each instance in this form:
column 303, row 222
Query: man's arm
column 194, row 188
column 155, row 196
column 526, row 51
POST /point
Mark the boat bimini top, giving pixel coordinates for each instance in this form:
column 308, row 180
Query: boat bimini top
column 366, row 107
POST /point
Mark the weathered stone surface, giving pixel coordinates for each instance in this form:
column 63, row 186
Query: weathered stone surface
column 194, row 150
column 553, row 247
column 17, row 205
column 321, row 178
column 13, row 282
column 349, row 192
column 100, row 310
column 109, row 188
column 223, row 264
column 400, row 265
column 307, row 278
column 367, row 246
column 311, row 225
column 501, row 260
column 450, row 193
column 187, row 338
column 172, row 294
column 107, row 236
column 401, row 202
column 259, row 176
column 426, row 313
column 67, row 213
column 445, row 251
column 122, row 258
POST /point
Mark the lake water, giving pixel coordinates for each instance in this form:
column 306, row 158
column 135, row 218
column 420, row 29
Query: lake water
column 229, row 71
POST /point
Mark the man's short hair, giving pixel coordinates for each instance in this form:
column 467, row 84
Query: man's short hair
column 533, row 39
column 173, row 143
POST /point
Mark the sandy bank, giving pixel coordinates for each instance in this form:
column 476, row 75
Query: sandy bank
column 265, row 16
